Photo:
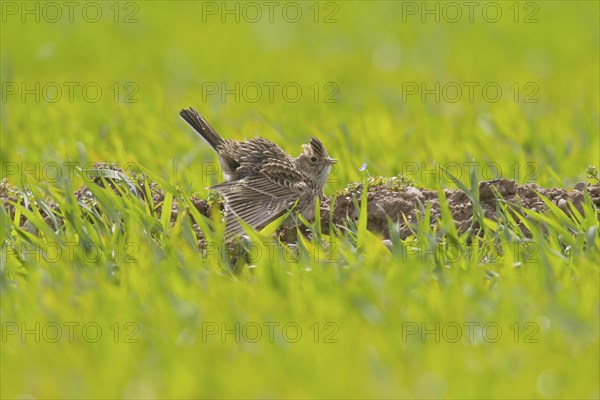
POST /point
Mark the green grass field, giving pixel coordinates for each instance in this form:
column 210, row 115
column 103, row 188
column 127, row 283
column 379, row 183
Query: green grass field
column 115, row 301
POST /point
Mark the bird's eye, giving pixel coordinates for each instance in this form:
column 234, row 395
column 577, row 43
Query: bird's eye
column 313, row 159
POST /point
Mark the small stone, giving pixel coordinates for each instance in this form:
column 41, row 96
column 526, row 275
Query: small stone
column 580, row 186
column 537, row 206
column 412, row 192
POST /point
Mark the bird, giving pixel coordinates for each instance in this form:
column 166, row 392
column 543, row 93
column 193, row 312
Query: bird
column 262, row 181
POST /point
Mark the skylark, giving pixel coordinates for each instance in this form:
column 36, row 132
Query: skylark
column 263, row 182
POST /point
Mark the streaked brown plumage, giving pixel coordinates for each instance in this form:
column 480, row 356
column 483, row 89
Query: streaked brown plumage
column 263, row 182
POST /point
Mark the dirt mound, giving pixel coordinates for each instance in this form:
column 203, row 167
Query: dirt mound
column 404, row 204
column 387, row 199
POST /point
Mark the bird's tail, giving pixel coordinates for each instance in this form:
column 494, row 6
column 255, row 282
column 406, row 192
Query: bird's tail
column 203, row 128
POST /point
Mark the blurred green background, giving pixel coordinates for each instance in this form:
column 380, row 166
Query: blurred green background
column 362, row 69
column 367, row 57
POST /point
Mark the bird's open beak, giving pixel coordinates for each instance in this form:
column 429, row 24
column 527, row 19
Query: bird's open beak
column 331, row 161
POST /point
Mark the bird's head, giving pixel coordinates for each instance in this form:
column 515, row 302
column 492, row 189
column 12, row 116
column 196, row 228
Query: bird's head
column 314, row 161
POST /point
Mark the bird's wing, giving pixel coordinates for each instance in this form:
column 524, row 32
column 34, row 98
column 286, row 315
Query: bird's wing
column 257, row 200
